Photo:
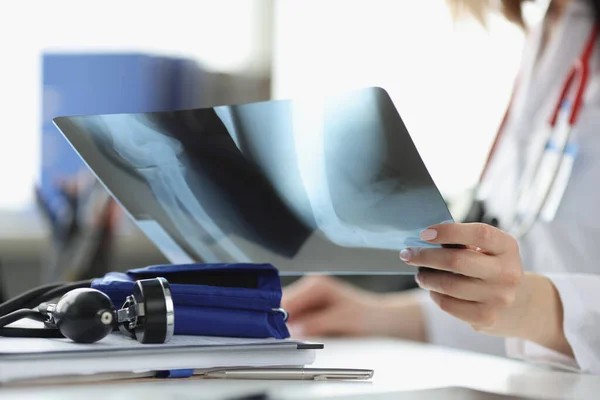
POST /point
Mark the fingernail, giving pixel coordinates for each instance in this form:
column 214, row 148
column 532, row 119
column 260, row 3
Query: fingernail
column 406, row 255
column 428, row 234
column 296, row 330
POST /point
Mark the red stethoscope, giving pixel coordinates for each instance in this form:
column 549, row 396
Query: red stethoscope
column 545, row 178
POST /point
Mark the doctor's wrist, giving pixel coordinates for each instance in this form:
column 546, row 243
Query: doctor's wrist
column 541, row 318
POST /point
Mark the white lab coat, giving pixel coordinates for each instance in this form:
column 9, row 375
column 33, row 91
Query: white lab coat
column 567, row 250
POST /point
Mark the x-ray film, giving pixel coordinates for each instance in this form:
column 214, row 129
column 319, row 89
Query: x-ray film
column 328, row 184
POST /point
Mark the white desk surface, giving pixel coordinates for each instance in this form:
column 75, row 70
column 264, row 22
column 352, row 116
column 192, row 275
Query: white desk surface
column 398, row 365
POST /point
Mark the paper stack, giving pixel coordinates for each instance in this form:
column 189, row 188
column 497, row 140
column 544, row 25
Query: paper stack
column 27, row 359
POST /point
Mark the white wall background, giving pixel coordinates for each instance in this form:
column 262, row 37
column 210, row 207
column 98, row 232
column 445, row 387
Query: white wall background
column 226, row 35
column 450, row 82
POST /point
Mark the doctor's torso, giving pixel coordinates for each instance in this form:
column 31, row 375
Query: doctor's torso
column 571, row 241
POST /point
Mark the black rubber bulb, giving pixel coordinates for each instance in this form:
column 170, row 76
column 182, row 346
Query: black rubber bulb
column 85, row 315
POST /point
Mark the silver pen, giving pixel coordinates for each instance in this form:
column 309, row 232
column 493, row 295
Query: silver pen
column 316, row 374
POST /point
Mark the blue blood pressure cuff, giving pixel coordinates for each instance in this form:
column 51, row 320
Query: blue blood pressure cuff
column 239, row 300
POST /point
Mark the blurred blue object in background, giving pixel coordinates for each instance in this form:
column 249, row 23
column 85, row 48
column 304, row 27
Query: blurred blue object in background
column 78, row 84
column 105, row 83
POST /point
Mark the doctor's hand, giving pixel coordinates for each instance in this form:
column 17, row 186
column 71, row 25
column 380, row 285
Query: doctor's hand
column 484, row 284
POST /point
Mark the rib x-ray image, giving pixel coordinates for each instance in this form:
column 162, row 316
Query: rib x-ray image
column 326, row 184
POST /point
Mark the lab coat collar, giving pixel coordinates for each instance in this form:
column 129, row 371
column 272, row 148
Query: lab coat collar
column 543, row 74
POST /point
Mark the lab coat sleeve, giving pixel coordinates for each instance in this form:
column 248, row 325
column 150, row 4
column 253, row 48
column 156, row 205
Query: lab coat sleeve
column 580, row 296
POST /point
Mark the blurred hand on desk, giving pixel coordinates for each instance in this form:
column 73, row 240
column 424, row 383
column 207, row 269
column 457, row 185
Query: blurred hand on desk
column 326, row 306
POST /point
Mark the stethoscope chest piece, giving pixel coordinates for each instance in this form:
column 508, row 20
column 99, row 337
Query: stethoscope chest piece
column 148, row 314
column 83, row 315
